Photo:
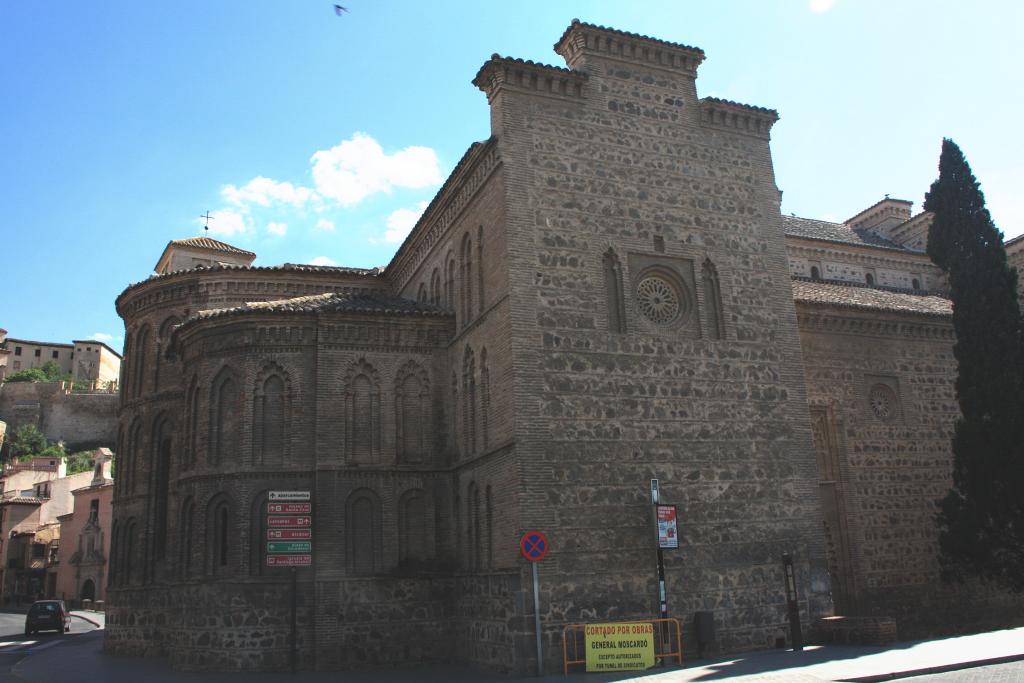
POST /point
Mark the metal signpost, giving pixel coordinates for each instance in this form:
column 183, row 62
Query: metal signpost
column 534, row 547
column 290, row 542
column 668, row 538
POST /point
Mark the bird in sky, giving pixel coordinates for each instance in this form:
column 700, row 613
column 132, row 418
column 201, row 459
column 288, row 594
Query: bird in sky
column 338, row 9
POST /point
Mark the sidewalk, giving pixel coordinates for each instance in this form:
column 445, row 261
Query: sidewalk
column 81, row 659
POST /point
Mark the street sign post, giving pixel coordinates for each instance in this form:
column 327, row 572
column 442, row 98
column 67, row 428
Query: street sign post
column 290, row 542
column 534, row 547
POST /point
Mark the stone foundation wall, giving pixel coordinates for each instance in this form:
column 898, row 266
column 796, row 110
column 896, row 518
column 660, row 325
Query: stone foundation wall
column 80, row 420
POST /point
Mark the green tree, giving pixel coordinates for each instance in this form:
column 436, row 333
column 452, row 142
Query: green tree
column 26, row 375
column 981, row 519
column 26, row 442
column 79, row 462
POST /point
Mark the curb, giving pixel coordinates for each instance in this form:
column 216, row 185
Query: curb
column 875, row 678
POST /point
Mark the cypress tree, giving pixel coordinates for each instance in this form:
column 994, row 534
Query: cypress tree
column 981, row 519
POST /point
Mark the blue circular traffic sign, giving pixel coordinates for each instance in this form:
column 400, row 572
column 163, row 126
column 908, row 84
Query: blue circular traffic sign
column 534, row 546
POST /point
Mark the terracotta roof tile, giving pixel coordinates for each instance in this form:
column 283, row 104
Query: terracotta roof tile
column 809, row 228
column 640, row 36
column 850, row 295
column 208, row 243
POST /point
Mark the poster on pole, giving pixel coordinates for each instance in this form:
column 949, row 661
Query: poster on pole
column 668, row 531
column 619, row 647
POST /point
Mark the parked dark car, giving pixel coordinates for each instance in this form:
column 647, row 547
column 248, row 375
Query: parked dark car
column 47, row 615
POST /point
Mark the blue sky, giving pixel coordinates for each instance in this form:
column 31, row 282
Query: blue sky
column 318, row 138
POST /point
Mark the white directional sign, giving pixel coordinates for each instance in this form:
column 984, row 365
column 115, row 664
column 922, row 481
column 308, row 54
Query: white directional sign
column 289, row 495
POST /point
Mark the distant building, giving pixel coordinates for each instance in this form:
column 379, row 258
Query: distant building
column 85, row 360
column 34, row 495
column 82, row 566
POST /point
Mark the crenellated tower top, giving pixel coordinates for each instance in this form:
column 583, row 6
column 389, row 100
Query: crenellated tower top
column 581, row 40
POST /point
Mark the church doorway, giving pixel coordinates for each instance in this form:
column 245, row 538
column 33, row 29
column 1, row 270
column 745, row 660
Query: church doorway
column 838, row 552
column 88, row 590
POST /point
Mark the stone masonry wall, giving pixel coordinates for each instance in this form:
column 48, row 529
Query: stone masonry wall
column 629, row 166
column 80, row 420
column 895, row 463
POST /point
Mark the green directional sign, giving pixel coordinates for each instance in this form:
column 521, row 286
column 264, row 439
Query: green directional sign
column 289, row 546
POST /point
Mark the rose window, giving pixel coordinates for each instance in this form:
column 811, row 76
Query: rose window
column 882, row 400
column 658, row 300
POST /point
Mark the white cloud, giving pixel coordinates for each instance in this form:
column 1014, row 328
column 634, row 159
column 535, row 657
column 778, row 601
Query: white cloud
column 324, row 224
column 323, row 261
column 102, row 336
column 266, row 191
column 821, row 6
column 356, row 168
column 277, row 228
column 400, row 222
column 227, row 222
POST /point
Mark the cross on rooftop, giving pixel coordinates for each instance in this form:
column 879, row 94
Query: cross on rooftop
column 207, row 216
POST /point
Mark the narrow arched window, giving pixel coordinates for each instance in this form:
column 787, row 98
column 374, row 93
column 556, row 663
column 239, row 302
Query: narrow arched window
column 466, row 278
column 815, row 273
column 435, row 287
column 915, row 283
column 270, row 420
column 412, row 413
column 134, row 456
column 225, row 419
column 219, row 549
column 139, row 349
column 186, row 533
column 449, row 285
column 614, row 302
column 362, row 537
column 421, row 293
column 869, row 279
column 413, row 530
column 362, row 414
column 188, row 455
column 160, row 375
column 485, row 400
column 161, row 446
column 469, row 413
column 713, row 301
column 489, row 511
column 480, row 267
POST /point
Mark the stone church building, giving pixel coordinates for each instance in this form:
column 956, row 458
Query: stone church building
column 602, row 292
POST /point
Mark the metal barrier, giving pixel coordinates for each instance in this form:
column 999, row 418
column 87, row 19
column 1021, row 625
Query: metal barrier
column 668, row 641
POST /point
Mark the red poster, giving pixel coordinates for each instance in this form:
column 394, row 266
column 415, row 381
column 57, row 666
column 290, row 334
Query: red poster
column 668, row 532
column 277, row 521
column 289, row 534
column 289, row 508
column 289, row 560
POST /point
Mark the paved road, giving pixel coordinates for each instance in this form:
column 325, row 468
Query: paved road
column 16, row 646
column 1012, row 672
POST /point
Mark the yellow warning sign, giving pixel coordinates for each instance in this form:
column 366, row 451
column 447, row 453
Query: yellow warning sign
column 619, row 647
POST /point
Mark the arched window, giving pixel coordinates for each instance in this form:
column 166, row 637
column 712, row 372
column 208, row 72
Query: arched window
column 225, row 418
column 258, row 533
column 489, row 511
column 362, row 414
column 128, row 560
column 485, row 400
column 815, row 273
column 915, row 283
column 435, row 287
column 139, row 349
column 480, row 267
column 219, row 530
column 271, row 416
column 414, row 534
column 614, row 302
column 869, row 279
column 186, row 535
column 163, row 340
column 134, row 455
column 466, row 278
column 469, row 415
column 160, row 475
column 363, row 532
column 188, row 454
column 421, row 293
column 449, row 284
column 713, row 300
column 412, row 413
